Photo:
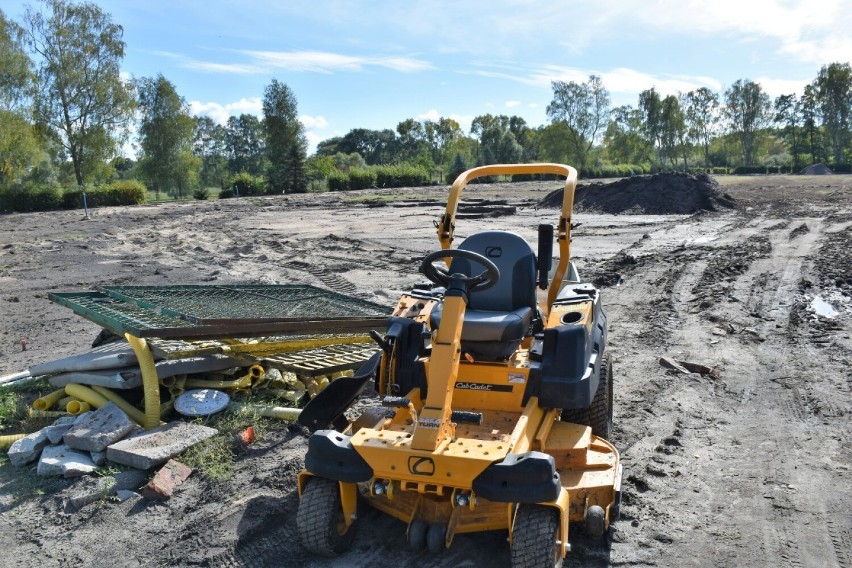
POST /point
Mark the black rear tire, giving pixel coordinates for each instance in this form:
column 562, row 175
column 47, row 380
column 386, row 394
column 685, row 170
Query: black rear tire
column 436, row 538
column 319, row 520
column 599, row 414
column 417, row 534
column 534, row 536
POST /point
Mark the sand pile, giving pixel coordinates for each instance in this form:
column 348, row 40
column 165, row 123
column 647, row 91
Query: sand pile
column 658, row 194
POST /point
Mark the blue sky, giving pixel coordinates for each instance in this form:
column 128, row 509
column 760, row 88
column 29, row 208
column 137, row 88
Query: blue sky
column 374, row 64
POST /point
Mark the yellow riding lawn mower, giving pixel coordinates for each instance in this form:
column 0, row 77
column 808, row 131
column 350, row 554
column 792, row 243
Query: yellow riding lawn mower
column 495, row 406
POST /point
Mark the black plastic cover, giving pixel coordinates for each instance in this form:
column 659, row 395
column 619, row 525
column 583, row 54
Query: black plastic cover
column 331, row 455
column 520, row 478
column 407, row 338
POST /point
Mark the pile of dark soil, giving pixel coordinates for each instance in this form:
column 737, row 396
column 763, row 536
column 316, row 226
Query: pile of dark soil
column 816, row 170
column 658, row 194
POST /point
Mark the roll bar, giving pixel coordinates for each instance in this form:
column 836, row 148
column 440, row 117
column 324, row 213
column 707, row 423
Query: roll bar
column 447, row 224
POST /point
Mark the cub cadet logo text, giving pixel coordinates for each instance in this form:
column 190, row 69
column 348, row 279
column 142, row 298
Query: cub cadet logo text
column 483, row 387
column 473, row 386
column 421, row 466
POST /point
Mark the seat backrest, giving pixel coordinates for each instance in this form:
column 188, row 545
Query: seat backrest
column 516, row 260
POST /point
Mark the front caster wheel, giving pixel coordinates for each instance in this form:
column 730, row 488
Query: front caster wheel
column 436, row 538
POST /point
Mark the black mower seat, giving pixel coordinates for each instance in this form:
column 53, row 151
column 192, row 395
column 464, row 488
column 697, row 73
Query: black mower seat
column 496, row 319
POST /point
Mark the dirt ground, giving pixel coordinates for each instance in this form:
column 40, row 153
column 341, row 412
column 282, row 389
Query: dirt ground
column 748, row 469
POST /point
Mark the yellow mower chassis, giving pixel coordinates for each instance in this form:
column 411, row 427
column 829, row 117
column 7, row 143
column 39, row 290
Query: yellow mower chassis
column 424, row 465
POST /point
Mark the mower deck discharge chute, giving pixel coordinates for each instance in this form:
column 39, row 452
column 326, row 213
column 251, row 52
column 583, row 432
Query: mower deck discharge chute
column 495, row 407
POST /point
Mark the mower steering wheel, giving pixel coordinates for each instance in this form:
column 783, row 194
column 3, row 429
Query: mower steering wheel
column 441, row 276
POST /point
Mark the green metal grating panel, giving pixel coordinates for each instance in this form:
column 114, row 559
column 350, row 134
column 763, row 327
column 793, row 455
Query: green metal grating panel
column 222, row 311
column 227, row 304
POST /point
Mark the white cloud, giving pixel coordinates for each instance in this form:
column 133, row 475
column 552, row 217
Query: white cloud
column 619, row 80
column 313, row 121
column 510, row 104
column 260, row 62
column 221, row 112
column 776, row 87
column 431, row 114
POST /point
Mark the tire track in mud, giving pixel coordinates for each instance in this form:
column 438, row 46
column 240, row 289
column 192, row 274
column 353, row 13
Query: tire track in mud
column 771, row 382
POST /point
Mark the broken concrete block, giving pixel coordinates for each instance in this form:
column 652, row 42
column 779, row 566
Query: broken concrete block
column 125, row 494
column 155, row 447
column 56, row 430
column 163, row 484
column 99, row 458
column 28, row 448
column 62, row 460
column 104, row 426
column 94, row 489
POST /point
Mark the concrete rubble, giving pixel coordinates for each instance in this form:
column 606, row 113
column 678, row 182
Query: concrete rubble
column 28, row 449
column 104, row 426
column 154, row 447
column 65, row 461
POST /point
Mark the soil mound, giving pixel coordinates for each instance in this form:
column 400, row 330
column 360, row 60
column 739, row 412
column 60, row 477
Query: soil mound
column 658, row 194
column 816, row 170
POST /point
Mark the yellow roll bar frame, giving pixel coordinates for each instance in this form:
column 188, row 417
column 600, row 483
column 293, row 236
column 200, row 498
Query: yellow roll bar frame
column 447, row 224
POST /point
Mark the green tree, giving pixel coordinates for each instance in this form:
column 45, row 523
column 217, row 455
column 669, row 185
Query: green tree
column 375, row 146
column 788, row 114
column 16, row 75
column 747, row 108
column 82, row 99
column 623, row 142
column 584, row 107
column 834, row 94
column 651, row 109
column 19, row 148
column 411, row 139
column 286, row 145
column 810, row 122
column 702, row 114
column 673, row 131
column 246, row 145
column 210, row 145
column 166, row 134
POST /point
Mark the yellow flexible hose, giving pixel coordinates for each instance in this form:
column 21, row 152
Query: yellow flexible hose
column 99, row 396
column 76, row 407
column 47, row 401
column 63, row 402
column 9, row 439
column 134, row 413
column 150, row 384
column 279, row 412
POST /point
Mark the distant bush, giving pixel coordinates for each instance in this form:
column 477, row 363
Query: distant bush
column 749, row 170
column 401, row 175
column 841, row 168
column 226, row 193
column 614, row 170
column 338, row 182
column 27, row 198
column 122, row 192
column 201, row 194
column 362, row 178
column 245, row 184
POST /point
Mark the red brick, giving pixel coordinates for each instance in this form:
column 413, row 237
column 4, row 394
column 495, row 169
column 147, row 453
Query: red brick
column 163, row 484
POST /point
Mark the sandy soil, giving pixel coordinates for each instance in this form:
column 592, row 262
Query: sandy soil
column 748, row 469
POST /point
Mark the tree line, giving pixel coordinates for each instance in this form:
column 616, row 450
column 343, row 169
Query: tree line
column 66, row 111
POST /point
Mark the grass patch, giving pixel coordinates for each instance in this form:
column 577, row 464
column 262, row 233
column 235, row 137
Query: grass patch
column 215, row 456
